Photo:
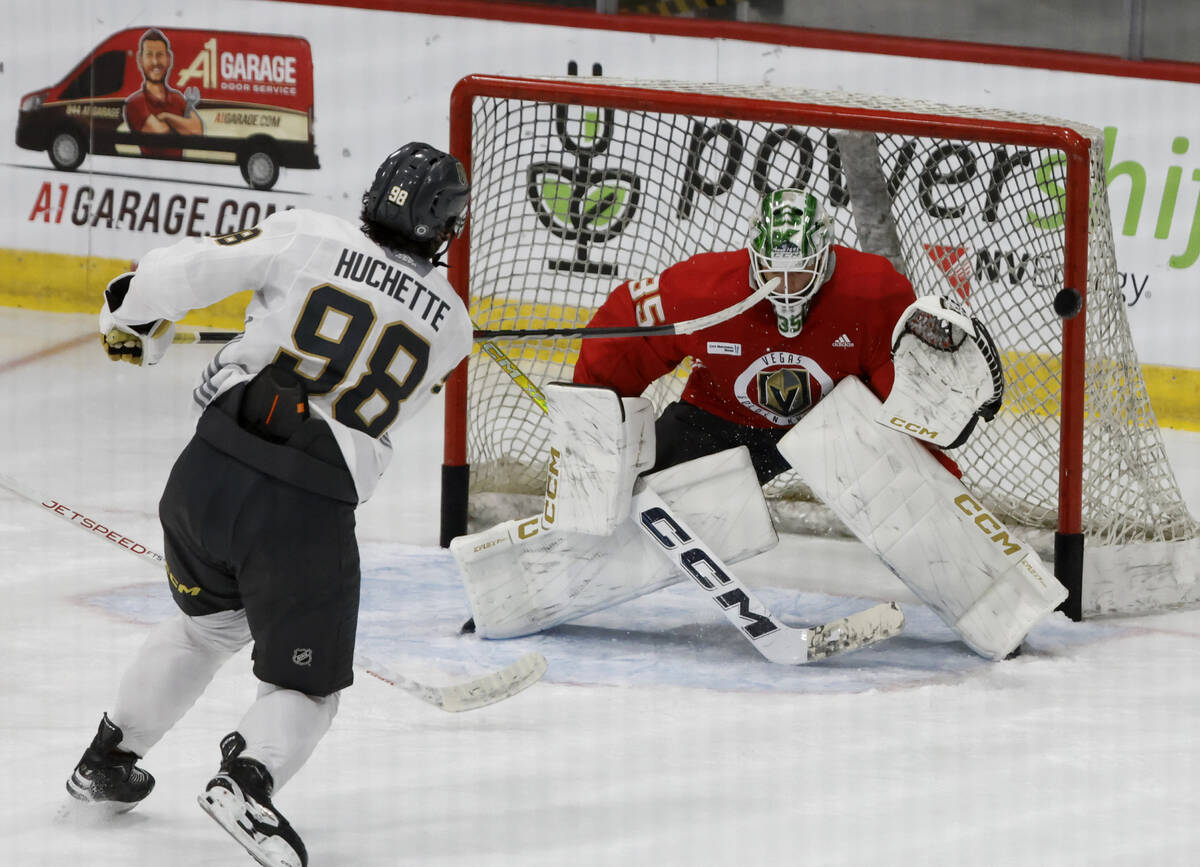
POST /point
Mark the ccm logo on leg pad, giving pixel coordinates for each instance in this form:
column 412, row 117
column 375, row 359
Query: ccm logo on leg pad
column 990, row 526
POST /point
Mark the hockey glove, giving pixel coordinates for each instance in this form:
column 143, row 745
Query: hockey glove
column 145, row 342
column 948, row 373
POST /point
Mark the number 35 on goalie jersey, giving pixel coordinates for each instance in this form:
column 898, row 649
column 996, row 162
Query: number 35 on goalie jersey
column 371, row 332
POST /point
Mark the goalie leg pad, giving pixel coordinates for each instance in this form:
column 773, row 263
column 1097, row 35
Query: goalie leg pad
column 599, row 444
column 959, row 559
column 521, row 578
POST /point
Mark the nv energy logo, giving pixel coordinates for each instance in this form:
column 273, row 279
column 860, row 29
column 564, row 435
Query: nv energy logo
column 578, row 201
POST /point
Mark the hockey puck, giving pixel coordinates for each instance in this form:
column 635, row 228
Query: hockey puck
column 1068, row 303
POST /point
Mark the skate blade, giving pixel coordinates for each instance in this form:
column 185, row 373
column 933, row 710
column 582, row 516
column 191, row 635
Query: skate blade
column 225, row 808
column 81, row 809
column 88, row 813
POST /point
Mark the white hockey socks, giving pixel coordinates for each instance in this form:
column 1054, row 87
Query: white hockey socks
column 521, row 579
column 171, row 669
column 923, row 523
column 176, row 664
column 283, row 727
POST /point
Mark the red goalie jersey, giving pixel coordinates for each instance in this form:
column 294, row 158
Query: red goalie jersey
column 744, row 370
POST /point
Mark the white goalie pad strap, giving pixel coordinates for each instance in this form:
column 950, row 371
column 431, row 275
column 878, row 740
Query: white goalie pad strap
column 599, row 444
column 521, row 578
column 947, row 373
column 959, row 559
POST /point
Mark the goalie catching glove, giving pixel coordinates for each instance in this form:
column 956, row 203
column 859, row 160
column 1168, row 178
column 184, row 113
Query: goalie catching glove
column 948, row 373
column 144, row 342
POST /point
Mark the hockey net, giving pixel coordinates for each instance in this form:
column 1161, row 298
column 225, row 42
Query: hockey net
column 579, row 184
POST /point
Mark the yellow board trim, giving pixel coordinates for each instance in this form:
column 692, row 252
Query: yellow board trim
column 1175, row 395
column 61, row 283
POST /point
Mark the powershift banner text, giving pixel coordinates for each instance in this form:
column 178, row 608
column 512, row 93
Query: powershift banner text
column 130, row 127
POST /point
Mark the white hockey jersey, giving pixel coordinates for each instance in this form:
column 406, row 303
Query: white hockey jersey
column 371, row 331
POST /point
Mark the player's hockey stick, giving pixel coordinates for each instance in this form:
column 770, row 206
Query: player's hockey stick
column 687, row 326
column 188, row 335
column 517, row 375
column 480, row 692
column 775, row 640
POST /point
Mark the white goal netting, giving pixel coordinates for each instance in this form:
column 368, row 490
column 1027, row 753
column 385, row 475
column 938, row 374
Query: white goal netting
column 569, row 200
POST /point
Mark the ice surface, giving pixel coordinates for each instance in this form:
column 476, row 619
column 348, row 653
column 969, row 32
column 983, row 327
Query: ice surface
column 659, row 737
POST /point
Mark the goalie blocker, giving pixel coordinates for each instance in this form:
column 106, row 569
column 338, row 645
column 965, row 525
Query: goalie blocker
column 599, row 443
column 981, row 579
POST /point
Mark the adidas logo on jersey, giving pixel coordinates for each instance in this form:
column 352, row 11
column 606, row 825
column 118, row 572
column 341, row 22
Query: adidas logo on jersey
column 843, row 342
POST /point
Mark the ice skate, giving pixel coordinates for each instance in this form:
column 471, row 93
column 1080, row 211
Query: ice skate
column 239, row 800
column 107, row 777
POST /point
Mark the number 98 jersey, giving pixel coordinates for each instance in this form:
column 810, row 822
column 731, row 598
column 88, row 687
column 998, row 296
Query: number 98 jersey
column 371, row 332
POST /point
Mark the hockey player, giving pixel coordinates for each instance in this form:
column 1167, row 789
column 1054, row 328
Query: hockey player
column 756, row 375
column 348, row 331
column 786, row 381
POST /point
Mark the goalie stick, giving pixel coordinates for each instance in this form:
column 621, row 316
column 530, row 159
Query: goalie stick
column 479, row 692
column 687, row 326
column 775, row 640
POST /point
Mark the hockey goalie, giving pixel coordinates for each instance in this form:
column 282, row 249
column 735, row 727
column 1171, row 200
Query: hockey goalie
column 842, row 374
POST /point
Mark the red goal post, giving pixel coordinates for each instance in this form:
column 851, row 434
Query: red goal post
column 579, row 184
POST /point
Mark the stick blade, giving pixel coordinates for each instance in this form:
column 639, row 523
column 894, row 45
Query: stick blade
column 494, row 687
column 480, row 692
column 855, row 631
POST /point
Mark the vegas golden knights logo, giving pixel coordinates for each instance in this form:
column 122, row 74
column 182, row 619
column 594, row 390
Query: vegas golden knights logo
column 786, row 391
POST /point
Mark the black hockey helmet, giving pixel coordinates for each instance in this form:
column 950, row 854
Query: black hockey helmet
column 419, row 193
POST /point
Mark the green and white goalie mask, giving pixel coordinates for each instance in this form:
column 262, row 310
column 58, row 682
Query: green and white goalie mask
column 790, row 240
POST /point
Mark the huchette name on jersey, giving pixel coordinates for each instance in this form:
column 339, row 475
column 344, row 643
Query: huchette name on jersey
column 392, row 281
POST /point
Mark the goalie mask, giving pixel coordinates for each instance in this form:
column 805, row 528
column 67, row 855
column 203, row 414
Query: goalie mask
column 790, row 239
